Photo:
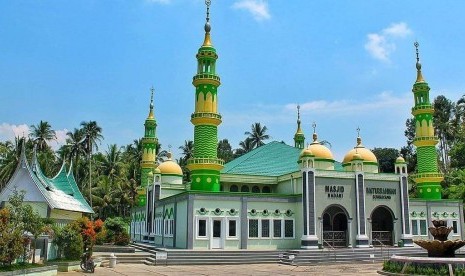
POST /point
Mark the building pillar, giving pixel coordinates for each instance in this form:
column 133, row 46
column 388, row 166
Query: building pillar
column 361, row 240
column 406, row 235
column 309, row 238
column 394, row 232
column 349, row 232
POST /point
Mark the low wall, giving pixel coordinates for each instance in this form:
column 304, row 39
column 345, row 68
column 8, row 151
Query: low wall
column 48, row 270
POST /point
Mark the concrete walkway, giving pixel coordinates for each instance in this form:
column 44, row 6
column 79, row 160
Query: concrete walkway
column 252, row 270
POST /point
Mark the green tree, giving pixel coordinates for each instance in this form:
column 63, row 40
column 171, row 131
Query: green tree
column 225, row 151
column 33, row 224
column 187, row 152
column 244, row 147
column 257, row 134
column 443, row 113
column 42, row 133
column 386, row 159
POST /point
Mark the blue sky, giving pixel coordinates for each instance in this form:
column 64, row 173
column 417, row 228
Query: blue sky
column 347, row 63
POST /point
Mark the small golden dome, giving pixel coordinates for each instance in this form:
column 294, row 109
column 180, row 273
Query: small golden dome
column 170, row 167
column 150, row 174
column 307, row 152
column 156, row 171
column 400, row 159
column 364, row 153
column 318, row 149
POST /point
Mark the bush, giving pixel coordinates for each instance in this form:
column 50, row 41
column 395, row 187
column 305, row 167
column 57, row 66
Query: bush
column 114, row 228
column 122, row 238
column 69, row 242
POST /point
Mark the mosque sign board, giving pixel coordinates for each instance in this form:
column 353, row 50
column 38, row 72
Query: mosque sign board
column 334, row 191
column 381, row 193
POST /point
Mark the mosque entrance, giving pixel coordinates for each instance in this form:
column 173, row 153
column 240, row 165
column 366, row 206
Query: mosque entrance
column 335, row 226
column 382, row 226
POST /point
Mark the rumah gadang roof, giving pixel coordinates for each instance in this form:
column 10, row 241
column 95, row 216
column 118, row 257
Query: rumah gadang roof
column 272, row 159
column 60, row 192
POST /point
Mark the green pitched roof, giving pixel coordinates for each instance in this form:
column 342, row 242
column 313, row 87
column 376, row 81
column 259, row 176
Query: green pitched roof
column 272, row 159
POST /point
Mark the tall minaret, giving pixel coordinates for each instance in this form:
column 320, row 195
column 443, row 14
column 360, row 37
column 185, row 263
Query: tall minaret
column 204, row 165
column 149, row 150
column 299, row 137
column 428, row 178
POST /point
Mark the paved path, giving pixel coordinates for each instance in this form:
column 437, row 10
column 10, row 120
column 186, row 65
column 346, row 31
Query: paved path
column 253, row 270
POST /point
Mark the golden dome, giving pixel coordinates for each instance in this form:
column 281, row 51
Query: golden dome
column 400, row 159
column 170, row 167
column 357, row 156
column 364, row 153
column 306, row 152
column 319, row 150
column 156, row 170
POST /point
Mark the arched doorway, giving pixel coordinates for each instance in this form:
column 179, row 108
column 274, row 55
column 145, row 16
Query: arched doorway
column 382, row 226
column 335, row 226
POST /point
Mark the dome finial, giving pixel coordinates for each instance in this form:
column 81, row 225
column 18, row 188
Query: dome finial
column 359, row 139
column 152, row 90
column 418, row 64
column 298, row 114
column 207, row 40
column 315, row 136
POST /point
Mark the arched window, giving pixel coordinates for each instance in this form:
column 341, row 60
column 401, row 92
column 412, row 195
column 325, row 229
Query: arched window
column 245, row 189
column 255, row 189
column 233, row 188
column 403, row 169
column 266, row 190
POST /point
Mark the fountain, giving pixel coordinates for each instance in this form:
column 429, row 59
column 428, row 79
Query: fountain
column 441, row 256
column 440, row 246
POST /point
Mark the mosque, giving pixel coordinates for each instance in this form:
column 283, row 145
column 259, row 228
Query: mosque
column 286, row 197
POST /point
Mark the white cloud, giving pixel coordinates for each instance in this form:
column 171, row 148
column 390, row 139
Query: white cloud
column 381, row 45
column 159, row 1
column 9, row 132
column 61, row 139
column 258, row 8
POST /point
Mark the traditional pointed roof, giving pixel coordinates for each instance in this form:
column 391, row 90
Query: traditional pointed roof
column 60, row 192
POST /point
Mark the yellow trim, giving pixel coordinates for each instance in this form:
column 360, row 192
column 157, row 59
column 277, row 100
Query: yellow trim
column 422, row 143
column 199, row 81
column 428, row 179
column 423, row 111
column 193, row 167
column 206, row 121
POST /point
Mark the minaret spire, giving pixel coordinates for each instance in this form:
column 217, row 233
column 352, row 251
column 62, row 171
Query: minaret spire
column 428, row 178
column 207, row 40
column 151, row 103
column 418, row 64
column 299, row 137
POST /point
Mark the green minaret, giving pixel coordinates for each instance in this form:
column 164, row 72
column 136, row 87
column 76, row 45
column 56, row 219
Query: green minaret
column 299, row 137
column 149, row 152
column 428, row 178
column 204, row 165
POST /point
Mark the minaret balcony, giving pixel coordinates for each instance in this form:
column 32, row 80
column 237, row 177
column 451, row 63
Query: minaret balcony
column 206, row 78
column 425, row 141
column 422, row 109
column 208, row 118
column 428, row 177
column 196, row 163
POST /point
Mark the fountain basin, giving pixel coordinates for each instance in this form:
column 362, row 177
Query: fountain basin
column 437, row 248
column 406, row 265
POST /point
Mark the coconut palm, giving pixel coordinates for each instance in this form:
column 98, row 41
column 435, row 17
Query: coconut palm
column 257, row 135
column 42, row 133
column 245, row 147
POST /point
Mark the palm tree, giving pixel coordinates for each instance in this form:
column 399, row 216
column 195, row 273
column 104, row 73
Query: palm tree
column 132, row 155
column 257, row 135
column 224, row 150
column 245, row 147
column 93, row 134
column 187, row 149
column 42, row 133
column 111, row 164
column 9, row 159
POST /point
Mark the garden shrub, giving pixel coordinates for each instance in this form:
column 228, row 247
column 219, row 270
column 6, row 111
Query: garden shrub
column 69, row 242
column 114, row 228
